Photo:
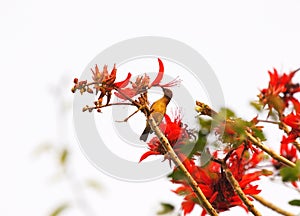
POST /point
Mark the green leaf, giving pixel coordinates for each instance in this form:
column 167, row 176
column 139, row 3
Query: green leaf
column 226, row 112
column 63, row 156
column 256, row 105
column 193, row 147
column 205, row 123
column 57, row 211
column 166, row 208
column 205, row 157
column 294, row 202
column 177, row 175
column 290, row 173
column 259, row 133
column 222, row 115
column 277, row 103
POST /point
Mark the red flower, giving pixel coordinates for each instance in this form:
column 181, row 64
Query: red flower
column 103, row 76
column 280, row 91
column 142, row 83
column 159, row 75
column 103, row 82
column 174, row 131
column 139, row 86
column 215, row 186
column 293, row 120
column 287, row 150
column 123, row 83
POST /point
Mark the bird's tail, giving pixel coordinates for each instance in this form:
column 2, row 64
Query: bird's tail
column 145, row 133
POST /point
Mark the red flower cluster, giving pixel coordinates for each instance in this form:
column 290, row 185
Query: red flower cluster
column 174, row 131
column 240, row 156
column 214, row 184
column 280, row 91
column 280, row 96
column 293, row 121
column 287, row 150
column 142, row 83
column 103, row 82
column 211, row 179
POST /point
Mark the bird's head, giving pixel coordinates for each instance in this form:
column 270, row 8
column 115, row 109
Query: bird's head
column 168, row 93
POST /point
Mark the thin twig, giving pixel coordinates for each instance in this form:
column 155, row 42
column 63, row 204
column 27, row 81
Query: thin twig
column 201, row 197
column 235, row 184
column 114, row 104
column 268, row 121
column 103, row 106
column 272, row 206
column 126, row 119
column 273, row 154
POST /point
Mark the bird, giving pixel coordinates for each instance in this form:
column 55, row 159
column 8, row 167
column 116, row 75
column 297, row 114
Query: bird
column 158, row 110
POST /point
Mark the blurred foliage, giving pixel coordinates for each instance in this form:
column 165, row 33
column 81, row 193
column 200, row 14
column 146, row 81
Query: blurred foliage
column 256, row 105
column 93, row 184
column 294, row 202
column 166, row 208
column 62, row 155
column 58, row 210
column 191, row 148
column 290, row 174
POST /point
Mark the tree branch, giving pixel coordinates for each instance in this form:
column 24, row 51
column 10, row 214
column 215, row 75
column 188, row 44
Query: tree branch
column 272, row 153
column 235, row 184
column 272, row 206
column 201, row 197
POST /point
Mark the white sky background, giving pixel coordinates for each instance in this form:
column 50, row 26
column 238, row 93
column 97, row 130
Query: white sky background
column 44, row 41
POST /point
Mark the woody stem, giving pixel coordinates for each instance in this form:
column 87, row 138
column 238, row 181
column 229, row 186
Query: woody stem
column 201, row 197
column 273, row 154
column 272, row 206
column 204, row 109
column 235, row 184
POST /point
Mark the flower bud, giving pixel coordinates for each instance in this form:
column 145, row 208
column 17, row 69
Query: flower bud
column 82, row 90
column 85, row 108
column 89, row 90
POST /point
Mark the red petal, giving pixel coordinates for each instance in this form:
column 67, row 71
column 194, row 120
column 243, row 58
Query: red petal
column 147, row 154
column 160, row 74
column 295, row 184
column 248, row 178
column 203, row 212
column 293, row 120
column 113, row 72
column 296, row 104
column 167, row 119
column 129, row 92
column 123, row 83
column 213, row 197
column 187, row 206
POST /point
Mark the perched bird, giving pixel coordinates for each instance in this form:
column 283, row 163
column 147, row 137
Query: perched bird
column 158, row 110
